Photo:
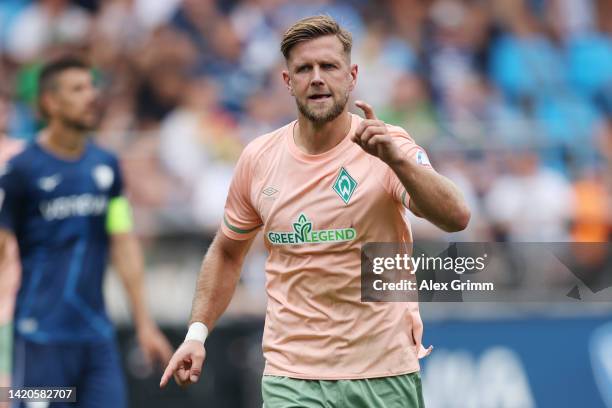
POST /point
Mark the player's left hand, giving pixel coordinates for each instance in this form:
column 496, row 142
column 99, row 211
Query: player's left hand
column 154, row 344
column 373, row 136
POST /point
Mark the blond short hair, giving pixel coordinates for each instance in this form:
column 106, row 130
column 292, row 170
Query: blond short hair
column 314, row 27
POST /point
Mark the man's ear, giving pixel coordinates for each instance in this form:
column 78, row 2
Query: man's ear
column 47, row 104
column 353, row 73
column 287, row 80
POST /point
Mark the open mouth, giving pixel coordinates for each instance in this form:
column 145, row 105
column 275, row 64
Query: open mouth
column 319, row 97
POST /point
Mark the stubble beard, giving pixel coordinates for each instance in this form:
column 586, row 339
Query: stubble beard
column 320, row 118
column 81, row 124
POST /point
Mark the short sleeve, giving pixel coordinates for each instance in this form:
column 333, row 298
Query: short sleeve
column 415, row 153
column 12, row 193
column 116, row 189
column 240, row 219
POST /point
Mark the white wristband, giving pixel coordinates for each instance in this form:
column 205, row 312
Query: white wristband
column 197, row 331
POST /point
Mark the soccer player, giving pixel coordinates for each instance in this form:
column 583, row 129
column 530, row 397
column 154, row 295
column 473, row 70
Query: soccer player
column 320, row 188
column 62, row 200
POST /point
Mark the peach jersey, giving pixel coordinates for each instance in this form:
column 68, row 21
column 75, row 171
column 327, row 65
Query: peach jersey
column 316, row 212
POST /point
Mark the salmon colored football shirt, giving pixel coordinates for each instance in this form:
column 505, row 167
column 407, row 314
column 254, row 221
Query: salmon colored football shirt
column 316, row 212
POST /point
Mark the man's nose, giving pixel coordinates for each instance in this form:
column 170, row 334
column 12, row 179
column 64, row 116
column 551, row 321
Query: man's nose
column 316, row 77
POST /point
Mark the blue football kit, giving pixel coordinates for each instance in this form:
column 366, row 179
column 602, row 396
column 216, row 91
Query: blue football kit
column 57, row 209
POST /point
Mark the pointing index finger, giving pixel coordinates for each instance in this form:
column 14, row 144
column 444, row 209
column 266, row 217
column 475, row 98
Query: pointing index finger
column 367, row 109
column 172, row 366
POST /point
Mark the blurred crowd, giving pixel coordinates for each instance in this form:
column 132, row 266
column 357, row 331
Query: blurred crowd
column 512, row 98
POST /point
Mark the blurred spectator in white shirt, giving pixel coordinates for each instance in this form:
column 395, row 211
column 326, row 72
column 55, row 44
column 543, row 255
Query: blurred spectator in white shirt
column 531, row 203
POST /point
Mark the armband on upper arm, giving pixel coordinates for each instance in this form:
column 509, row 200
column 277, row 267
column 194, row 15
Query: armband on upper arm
column 119, row 216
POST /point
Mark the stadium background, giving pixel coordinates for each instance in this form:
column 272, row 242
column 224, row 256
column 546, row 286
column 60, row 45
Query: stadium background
column 511, row 98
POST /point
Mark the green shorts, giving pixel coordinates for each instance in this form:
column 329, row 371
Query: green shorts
column 6, row 348
column 401, row 391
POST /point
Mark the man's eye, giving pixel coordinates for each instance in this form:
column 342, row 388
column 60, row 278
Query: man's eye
column 303, row 69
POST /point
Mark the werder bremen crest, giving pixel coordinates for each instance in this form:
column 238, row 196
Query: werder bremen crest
column 303, row 233
column 345, row 185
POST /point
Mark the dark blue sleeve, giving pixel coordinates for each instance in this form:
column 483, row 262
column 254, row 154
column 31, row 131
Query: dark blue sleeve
column 117, row 186
column 12, row 194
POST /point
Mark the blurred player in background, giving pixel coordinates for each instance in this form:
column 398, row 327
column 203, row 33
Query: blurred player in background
column 322, row 187
column 10, row 270
column 62, row 200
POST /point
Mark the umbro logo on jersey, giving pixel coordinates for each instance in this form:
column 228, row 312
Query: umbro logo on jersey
column 103, row 176
column 345, row 185
column 48, row 184
column 269, row 191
